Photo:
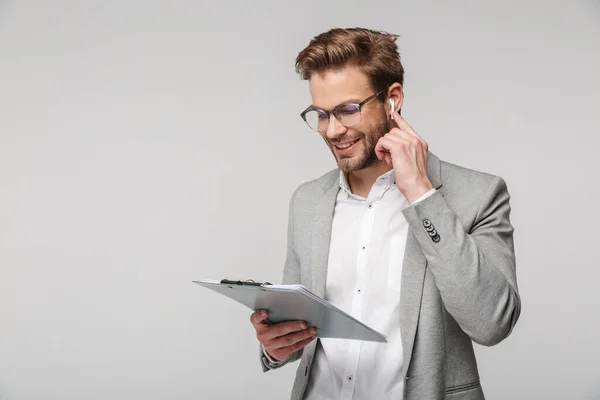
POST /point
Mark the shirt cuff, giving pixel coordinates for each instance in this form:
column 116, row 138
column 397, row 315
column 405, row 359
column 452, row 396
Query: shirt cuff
column 271, row 359
column 426, row 195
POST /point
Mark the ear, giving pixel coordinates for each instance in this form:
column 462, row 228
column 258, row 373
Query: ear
column 396, row 93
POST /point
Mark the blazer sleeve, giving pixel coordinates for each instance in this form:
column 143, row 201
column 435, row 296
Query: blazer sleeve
column 291, row 274
column 474, row 269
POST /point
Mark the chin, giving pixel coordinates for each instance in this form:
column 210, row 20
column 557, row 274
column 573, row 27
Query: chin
column 348, row 165
column 357, row 163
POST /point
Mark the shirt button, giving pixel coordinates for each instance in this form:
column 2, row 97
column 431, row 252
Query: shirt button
column 363, row 247
column 370, row 205
column 359, row 291
column 349, row 378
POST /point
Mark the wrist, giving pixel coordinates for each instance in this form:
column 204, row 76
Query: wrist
column 415, row 194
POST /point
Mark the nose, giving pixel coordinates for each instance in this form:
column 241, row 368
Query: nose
column 335, row 128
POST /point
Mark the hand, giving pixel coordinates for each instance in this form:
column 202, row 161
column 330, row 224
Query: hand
column 404, row 150
column 282, row 339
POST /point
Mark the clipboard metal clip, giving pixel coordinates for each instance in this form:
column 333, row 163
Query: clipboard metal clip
column 248, row 282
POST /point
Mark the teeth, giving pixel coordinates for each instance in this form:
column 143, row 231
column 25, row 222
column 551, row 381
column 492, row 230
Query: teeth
column 345, row 146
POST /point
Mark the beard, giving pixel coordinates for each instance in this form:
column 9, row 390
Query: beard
column 365, row 156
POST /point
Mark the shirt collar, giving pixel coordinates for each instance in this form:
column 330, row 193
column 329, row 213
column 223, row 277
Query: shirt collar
column 388, row 179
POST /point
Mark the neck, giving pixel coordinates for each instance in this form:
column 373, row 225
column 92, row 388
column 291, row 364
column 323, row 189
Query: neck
column 361, row 181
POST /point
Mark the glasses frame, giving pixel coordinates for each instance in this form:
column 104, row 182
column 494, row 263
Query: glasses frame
column 335, row 110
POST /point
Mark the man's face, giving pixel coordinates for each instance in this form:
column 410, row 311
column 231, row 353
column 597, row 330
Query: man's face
column 350, row 85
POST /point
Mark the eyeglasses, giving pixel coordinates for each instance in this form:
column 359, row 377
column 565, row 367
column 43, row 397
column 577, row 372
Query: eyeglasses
column 349, row 114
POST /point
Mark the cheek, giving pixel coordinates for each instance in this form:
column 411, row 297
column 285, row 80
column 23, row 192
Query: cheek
column 375, row 127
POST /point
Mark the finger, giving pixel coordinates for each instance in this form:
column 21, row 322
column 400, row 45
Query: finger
column 298, row 345
column 388, row 159
column 284, row 352
column 274, row 331
column 399, row 136
column 285, row 328
column 400, row 133
column 259, row 317
column 408, row 142
column 387, row 155
column 383, row 146
column 292, row 338
column 402, row 124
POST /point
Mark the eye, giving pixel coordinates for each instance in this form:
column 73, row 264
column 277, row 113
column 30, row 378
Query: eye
column 321, row 115
column 348, row 109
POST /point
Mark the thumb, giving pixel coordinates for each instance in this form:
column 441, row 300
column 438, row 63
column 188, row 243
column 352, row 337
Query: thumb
column 259, row 317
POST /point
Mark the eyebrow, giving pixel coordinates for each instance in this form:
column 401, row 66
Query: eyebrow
column 353, row 100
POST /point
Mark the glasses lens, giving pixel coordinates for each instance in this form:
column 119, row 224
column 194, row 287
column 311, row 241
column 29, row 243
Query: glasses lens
column 317, row 120
column 349, row 114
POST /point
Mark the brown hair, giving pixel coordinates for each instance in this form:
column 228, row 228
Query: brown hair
column 374, row 52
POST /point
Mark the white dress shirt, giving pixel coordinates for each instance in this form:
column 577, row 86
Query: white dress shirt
column 363, row 279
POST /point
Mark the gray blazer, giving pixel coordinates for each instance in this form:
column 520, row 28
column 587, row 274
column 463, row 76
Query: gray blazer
column 459, row 282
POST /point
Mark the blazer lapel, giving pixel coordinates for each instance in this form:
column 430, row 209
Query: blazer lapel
column 413, row 275
column 321, row 235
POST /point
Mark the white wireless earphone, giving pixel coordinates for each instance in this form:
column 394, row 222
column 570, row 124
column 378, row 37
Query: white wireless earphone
column 392, row 106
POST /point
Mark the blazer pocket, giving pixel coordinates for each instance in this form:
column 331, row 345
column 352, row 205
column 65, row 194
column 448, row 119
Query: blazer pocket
column 397, row 245
column 463, row 388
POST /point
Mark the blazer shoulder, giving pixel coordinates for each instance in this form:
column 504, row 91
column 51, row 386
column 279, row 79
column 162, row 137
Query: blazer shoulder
column 318, row 185
column 467, row 190
column 463, row 179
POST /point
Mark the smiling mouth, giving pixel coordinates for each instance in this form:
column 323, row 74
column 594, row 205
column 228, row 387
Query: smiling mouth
column 346, row 146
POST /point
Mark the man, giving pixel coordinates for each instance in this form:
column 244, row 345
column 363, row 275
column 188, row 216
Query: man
column 418, row 248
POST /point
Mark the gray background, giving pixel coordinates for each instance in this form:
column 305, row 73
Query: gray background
column 144, row 144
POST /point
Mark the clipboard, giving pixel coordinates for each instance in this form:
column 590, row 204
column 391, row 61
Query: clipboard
column 293, row 303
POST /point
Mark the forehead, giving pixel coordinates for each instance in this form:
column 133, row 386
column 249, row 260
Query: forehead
column 333, row 87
